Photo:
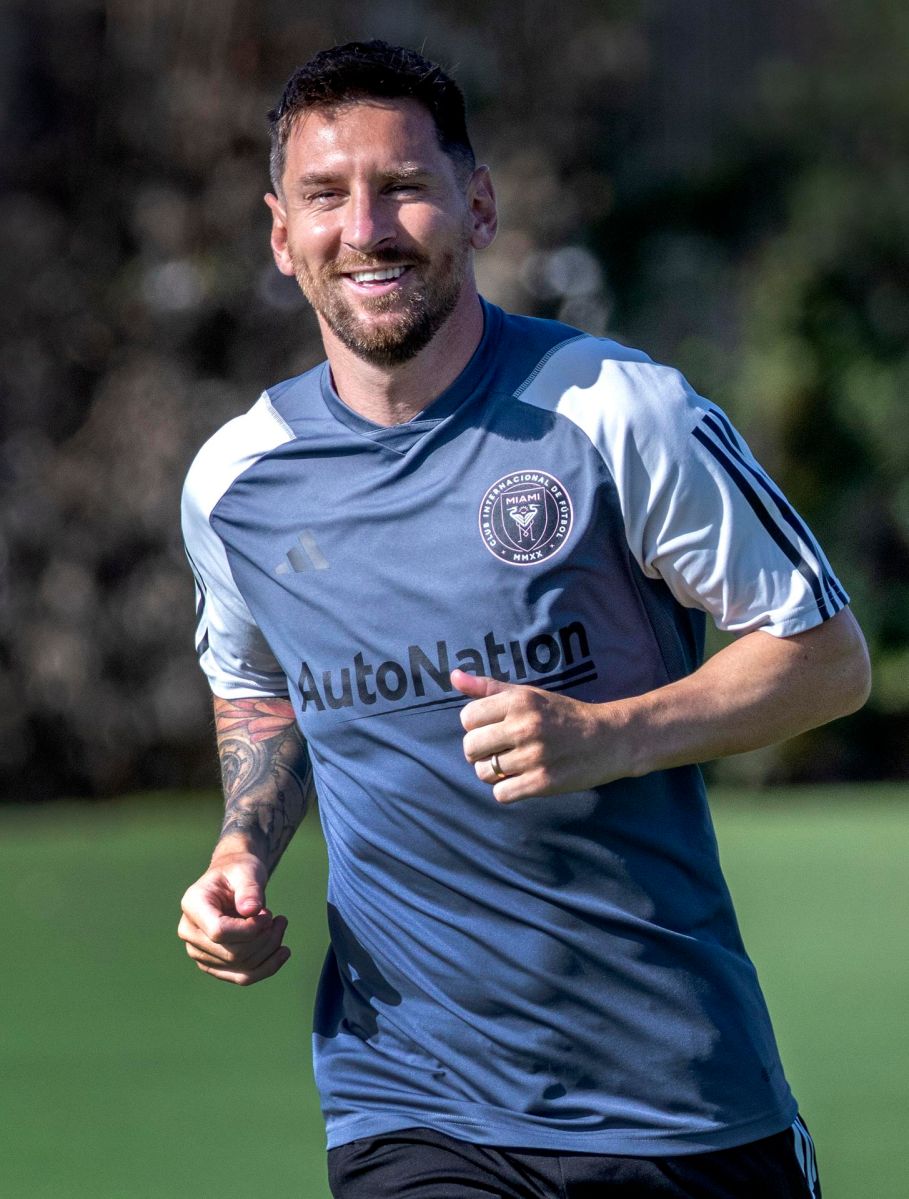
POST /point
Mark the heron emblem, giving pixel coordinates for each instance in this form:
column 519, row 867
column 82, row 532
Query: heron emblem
column 524, row 518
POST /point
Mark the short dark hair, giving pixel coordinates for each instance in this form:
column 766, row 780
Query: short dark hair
column 360, row 70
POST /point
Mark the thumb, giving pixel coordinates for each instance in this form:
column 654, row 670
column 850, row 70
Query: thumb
column 476, row 686
column 252, row 903
column 249, row 893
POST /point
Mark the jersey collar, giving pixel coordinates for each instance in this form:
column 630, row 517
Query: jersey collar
column 451, row 399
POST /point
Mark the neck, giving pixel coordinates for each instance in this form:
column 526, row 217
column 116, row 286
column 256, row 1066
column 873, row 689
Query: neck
column 392, row 395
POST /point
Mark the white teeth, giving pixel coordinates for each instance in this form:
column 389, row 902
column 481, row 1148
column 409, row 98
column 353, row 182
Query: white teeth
column 393, row 272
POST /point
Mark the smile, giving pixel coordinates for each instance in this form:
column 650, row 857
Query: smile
column 385, row 275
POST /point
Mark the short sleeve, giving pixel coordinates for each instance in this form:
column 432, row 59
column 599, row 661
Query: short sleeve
column 700, row 513
column 233, row 653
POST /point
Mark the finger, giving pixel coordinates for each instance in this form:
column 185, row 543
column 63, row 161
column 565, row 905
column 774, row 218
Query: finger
column 239, row 963
column 506, row 795
column 217, row 924
column 476, row 686
column 232, row 949
column 514, row 788
column 244, row 978
column 263, row 954
column 480, row 712
column 486, row 770
column 244, row 953
column 483, row 742
column 228, row 929
column 201, row 958
column 198, row 943
column 240, row 956
column 529, row 781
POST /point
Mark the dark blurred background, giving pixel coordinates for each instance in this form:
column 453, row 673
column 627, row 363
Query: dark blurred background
column 722, row 184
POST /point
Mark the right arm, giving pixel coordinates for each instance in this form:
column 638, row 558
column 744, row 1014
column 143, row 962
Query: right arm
column 228, row 930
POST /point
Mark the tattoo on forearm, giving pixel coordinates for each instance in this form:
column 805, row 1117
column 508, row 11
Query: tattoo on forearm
column 265, row 770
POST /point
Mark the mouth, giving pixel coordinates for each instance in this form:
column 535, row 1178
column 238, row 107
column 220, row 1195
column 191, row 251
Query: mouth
column 377, row 280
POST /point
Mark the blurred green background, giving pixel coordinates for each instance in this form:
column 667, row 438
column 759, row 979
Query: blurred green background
column 722, row 184
column 127, row 1074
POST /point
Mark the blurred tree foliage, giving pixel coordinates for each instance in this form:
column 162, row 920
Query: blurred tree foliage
column 721, row 184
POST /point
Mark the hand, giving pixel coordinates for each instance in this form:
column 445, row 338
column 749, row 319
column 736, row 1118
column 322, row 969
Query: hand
column 228, row 930
column 544, row 742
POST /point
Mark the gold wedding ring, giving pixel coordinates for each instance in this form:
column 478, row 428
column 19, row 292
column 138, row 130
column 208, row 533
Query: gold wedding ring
column 496, row 768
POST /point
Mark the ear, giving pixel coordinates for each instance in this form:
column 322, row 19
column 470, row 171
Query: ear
column 481, row 200
column 279, row 246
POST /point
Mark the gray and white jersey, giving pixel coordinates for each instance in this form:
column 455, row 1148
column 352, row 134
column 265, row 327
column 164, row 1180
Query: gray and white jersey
column 561, row 973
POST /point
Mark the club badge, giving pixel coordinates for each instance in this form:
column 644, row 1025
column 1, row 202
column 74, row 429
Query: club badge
column 526, row 517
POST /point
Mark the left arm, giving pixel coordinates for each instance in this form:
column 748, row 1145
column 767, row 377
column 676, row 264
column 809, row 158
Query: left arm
column 758, row 690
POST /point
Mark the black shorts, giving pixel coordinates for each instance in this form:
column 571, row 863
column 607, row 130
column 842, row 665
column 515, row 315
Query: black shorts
column 419, row 1163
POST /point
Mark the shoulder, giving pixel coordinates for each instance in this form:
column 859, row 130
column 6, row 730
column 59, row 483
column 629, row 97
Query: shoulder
column 614, row 392
column 230, row 451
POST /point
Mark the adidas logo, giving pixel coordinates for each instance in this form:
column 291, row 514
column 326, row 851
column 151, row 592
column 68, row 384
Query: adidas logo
column 303, row 556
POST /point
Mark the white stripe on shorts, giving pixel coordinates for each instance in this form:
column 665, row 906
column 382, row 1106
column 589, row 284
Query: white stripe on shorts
column 804, row 1152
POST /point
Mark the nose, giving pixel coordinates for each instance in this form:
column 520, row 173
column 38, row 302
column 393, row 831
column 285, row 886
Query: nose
column 369, row 221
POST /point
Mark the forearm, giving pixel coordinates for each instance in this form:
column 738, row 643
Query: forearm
column 266, row 776
column 758, row 690
column 524, row 741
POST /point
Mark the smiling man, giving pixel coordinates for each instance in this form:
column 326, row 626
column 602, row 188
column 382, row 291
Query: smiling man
column 384, row 287
column 457, row 577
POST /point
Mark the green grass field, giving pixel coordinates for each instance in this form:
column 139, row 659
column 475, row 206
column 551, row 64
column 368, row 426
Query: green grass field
column 128, row 1075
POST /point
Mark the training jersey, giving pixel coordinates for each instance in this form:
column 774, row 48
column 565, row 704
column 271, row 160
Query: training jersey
column 560, row 973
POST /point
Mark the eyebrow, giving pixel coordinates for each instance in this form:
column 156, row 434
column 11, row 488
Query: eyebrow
column 401, row 174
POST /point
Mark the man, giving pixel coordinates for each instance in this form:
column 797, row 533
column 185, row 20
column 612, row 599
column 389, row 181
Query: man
column 467, row 561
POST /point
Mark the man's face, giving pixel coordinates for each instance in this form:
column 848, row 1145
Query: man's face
column 376, row 226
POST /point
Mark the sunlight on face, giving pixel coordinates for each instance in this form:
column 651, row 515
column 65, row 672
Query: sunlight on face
column 377, row 192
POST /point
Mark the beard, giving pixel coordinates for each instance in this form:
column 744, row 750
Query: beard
column 412, row 315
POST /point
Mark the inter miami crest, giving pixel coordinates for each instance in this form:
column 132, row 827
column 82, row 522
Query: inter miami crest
column 525, row 517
